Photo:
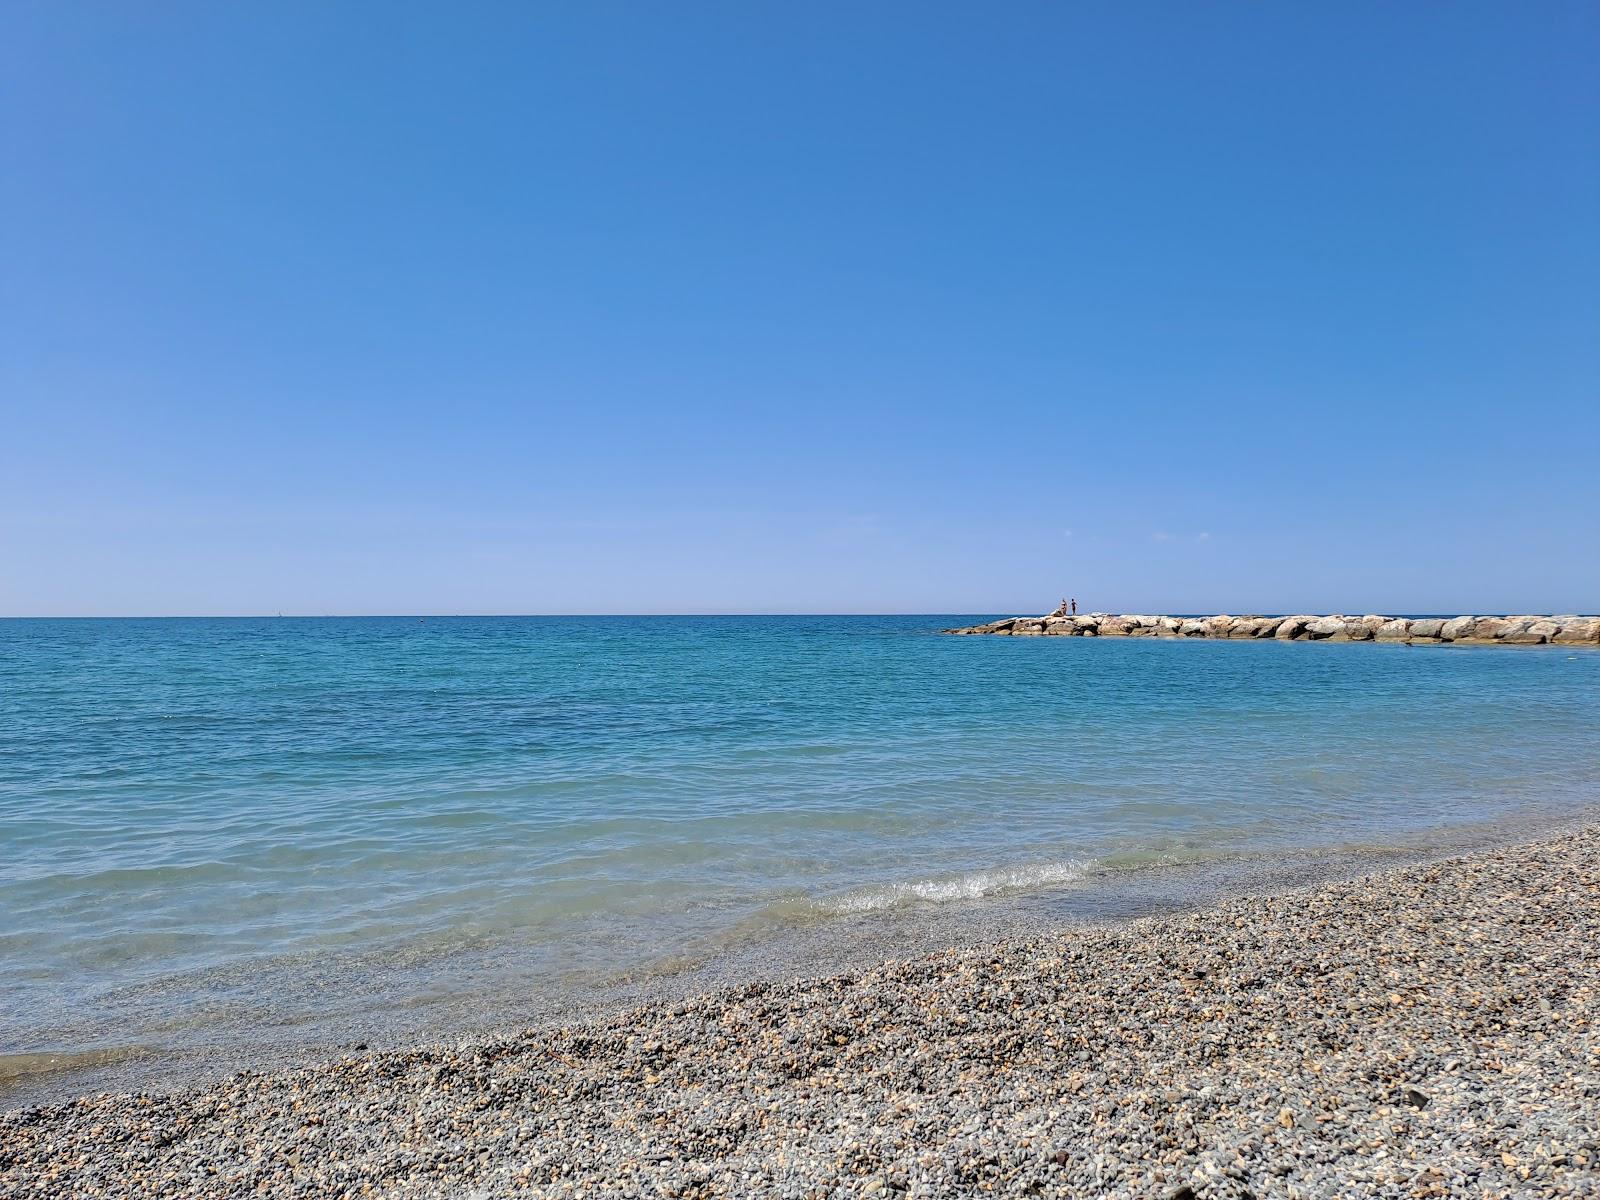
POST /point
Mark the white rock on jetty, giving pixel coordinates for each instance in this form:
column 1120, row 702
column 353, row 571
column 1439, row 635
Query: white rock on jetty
column 1522, row 630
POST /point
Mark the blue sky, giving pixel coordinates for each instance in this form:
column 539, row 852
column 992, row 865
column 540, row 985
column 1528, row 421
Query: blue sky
column 783, row 308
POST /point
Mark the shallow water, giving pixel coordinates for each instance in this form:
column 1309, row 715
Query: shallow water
column 217, row 825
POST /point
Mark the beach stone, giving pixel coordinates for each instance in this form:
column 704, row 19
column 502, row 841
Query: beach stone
column 1192, row 627
column 1218, row 626
column 1292, row 627
column 1115, row 626
column 1427, row 627
column 1086, row 623
column 1059, row 626
column 1393, row 631
column 1325, row 627
column 1458, row 628
column 1487, row 629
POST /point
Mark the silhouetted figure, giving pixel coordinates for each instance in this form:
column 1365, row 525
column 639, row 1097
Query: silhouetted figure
column 1074, row 606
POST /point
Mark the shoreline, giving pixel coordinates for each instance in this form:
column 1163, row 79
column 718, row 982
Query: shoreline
column 817, row 938
column 916, row 1066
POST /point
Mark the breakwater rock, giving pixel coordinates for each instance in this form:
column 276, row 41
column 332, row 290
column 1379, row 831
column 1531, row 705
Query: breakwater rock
column 1507, row 631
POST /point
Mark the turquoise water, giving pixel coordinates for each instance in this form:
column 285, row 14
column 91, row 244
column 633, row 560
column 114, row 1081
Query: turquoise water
column 197, row 816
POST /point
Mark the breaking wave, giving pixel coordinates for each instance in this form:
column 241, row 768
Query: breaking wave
column 974, row 885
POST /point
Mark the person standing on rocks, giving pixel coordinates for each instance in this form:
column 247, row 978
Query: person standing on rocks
column 1074, row 606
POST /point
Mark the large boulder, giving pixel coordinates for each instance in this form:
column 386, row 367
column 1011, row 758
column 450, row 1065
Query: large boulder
column 1086, row 624
column 1292, row 627
column 1192, row 627
column 1525, row 631
column 1426, row 627
column 1218, row 626
column 1170, row 626
column 1325, row 627
column 1253, row 627
column 1487, row 629
column 1578, row 630
column 1397, row 630
column 1115, row 627
column 1458, row 628
column 1059, row 626
column 1364, row 629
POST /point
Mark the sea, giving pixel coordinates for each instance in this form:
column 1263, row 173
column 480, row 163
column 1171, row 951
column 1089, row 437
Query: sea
column 223, row 839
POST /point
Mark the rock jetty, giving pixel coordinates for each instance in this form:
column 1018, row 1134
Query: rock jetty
column 1481, row 631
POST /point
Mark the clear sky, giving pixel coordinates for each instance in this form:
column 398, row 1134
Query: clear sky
column 759, row 307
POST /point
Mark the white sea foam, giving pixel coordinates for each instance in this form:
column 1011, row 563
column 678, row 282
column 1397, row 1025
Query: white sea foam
column 973, row 885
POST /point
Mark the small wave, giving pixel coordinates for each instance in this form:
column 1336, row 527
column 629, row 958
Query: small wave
column 974, row 885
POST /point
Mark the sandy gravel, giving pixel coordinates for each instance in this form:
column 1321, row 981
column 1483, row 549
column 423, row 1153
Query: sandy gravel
column 1426, row 1032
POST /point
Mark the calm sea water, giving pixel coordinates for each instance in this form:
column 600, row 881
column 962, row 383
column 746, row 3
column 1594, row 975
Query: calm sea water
column 206, row 821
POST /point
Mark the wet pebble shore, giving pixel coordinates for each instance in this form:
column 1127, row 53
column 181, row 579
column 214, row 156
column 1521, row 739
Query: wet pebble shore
column 1425, row 1032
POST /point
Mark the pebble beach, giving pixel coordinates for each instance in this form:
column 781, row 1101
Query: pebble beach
column 1429, row 1031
